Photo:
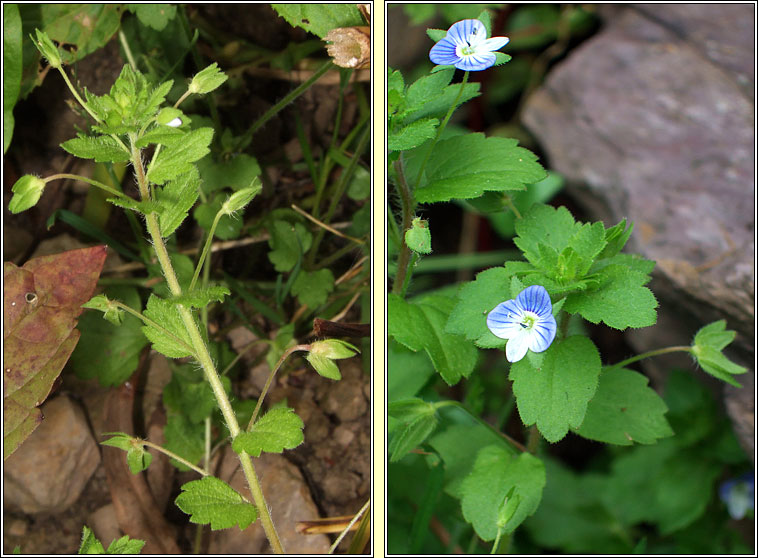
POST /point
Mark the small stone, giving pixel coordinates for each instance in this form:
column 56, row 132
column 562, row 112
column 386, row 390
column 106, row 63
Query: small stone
column 343, row 435
column 287, row 496
column 50, row 469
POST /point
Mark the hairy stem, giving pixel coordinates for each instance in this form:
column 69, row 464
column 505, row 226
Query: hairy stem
column 100, row 185
column 270, row 378
column 656, row 352
column 203, row 356
column 408, row 208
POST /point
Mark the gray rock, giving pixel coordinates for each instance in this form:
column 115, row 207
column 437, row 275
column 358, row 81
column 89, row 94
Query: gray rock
column 50, row 469
column 289, row 500
column 652, row 120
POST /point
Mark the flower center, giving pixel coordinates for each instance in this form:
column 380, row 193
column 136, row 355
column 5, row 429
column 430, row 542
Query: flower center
column 528, row 320
column 468, row 50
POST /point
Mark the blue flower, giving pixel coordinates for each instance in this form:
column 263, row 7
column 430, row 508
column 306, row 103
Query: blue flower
column 467, row 47
column 738, row 495
column 526, row 321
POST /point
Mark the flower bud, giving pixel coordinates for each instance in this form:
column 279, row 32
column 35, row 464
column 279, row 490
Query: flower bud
column 207, row 80
column 26, row 193
column 418, row 238
column 47, row 48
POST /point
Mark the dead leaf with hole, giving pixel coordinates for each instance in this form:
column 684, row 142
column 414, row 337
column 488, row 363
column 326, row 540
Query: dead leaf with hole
column 41, row 302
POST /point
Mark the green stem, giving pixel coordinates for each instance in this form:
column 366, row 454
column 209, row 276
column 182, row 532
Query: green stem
column 408, row 208
column 151, row 323
column 206, row 249
column 204, row 357
column 178, row 458
column 346, row 530
column 440, row 129
column 270, row 378
column 533, row 440
column 497, row 540
column 676, row 349
column 100, row 185
column 512, row 206
column 85, row 107
column 458, row 404
column 294, row 94
column 127, row 50
column 78, row 98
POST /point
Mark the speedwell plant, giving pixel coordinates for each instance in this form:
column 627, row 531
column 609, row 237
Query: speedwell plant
column 531, row 307
column 130, row 124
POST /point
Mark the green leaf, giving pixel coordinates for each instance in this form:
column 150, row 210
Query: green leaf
column 421, row 326
column 684, row 484
column 572, row 517
column 90, row 544
column 178, row 158
column 625, row 410
column 551, row 227
column 12, row 68
column 156, row 16
column 707, row 348
column 102, row 149
column 417, row 420
column 620, row 300
column 288, row 242
column 200, row 298
column 26, row 193
column 312, row 288
column 207, row 80
column 211, row 500
column 359, row 187
column 407, row 371
column 236, row 173
column 190, row 395
column 228, row 227
column 465, row 167
column 615, row 238
column 141, row 207
column 553, row 388
column 175, row 200
column 185, row 438
column 319, row 19
column 412, row 135
column 496, row 473
column 125, row 545
column 431, row 96
column 475, row 299
column 167, row 341
column 279, row 429
column 107, row 351
column 162, row 135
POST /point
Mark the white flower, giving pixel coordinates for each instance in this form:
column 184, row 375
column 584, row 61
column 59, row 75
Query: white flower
column 467, row 47
column 526, row 321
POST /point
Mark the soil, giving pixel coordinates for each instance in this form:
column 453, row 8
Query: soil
column 335, row 457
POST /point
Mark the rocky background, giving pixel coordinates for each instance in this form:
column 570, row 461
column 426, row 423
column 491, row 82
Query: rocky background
column 652, row 120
